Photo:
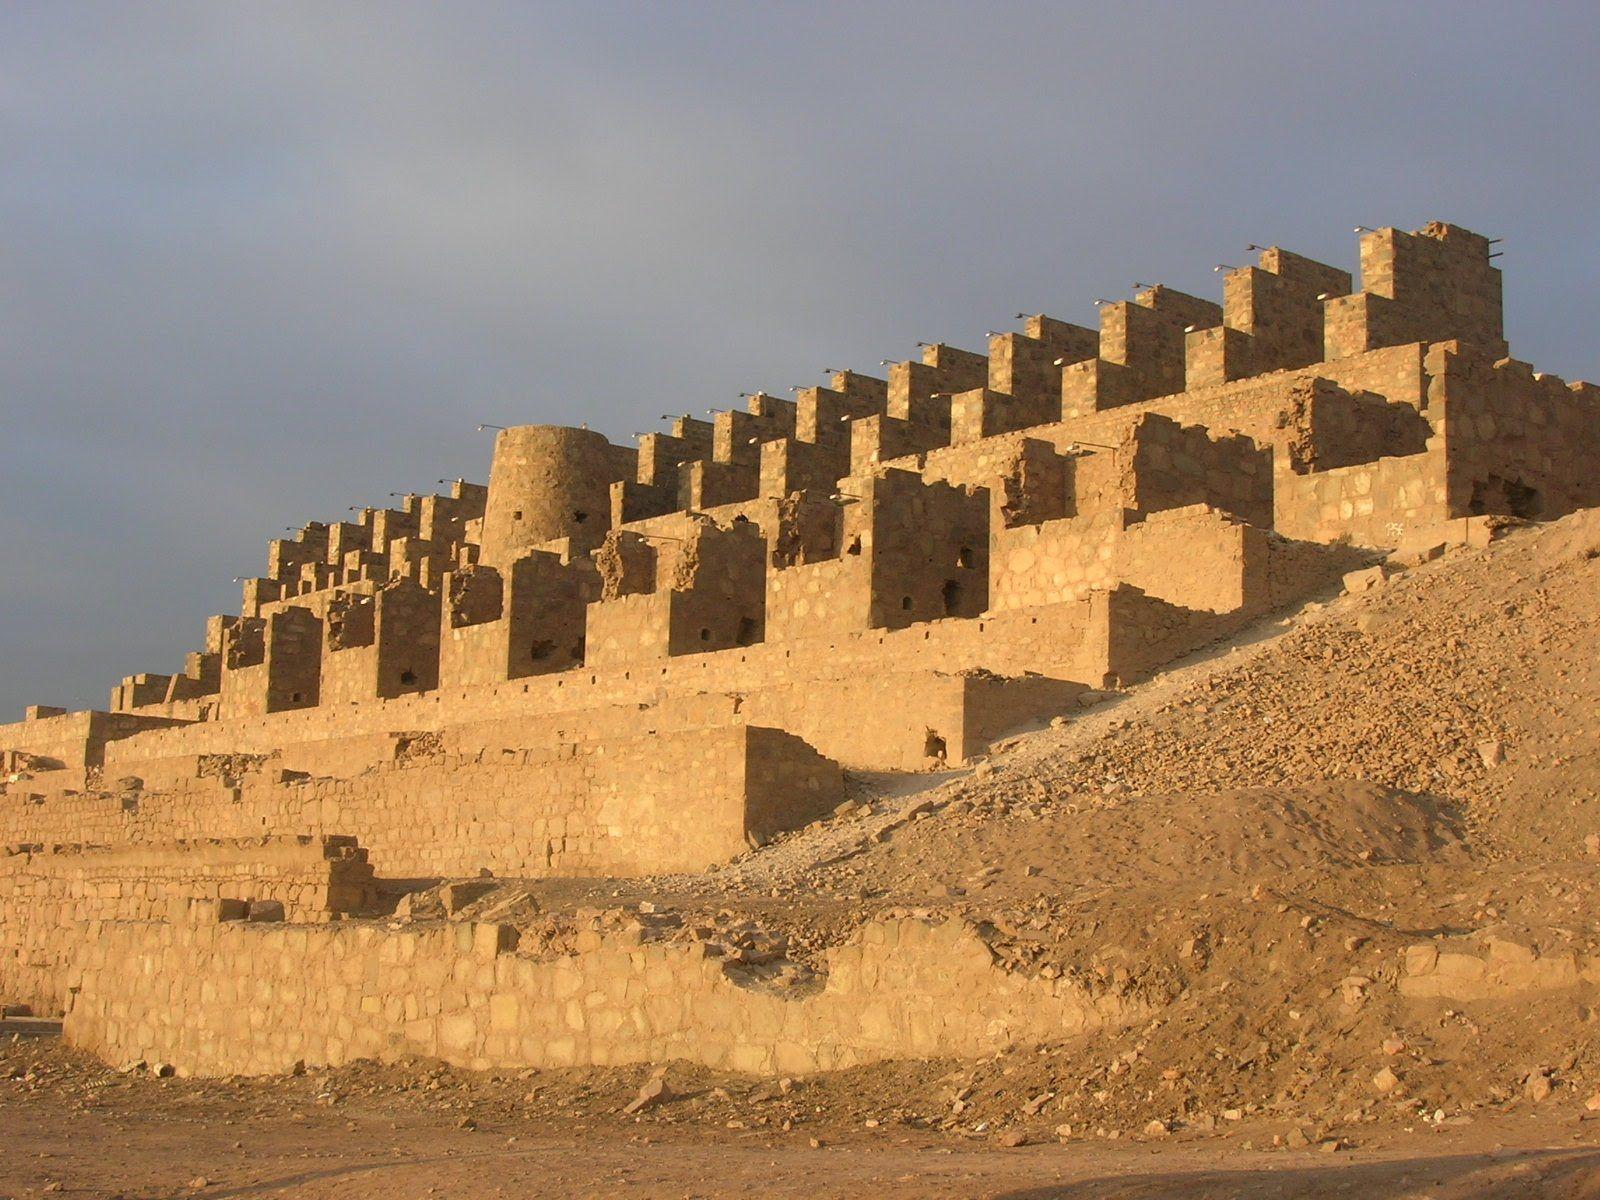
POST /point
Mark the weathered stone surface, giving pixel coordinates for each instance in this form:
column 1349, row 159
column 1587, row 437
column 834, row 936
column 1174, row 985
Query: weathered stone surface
column 624, row 660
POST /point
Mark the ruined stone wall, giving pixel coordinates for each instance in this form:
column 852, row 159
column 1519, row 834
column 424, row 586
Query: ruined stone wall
column 1146, row 633
column 1516, row 442
column 800, row 687
column 1193, row 557
column 76, row 739
column 700, row 590
column 47, row 891
column 523, row 621
column 1032, row 547
column 1170, row 465
column 613, row 807
column 271, row 664
column 618, row 660
column 1326, row 427
column 628, row 629
column 1252, row 407
column 1375, row 504
column 1497, row 967
column 186, row 994
column 1501, row 441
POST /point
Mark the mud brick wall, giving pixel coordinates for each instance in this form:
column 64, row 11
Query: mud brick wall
column 188, row 995
column 46, row 892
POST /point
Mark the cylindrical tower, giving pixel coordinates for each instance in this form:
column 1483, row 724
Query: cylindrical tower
column 547, row 482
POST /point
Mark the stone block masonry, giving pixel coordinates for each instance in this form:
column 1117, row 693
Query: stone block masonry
column 47, row 891
column 614, row 807
column 629, row 659
column 190, row 995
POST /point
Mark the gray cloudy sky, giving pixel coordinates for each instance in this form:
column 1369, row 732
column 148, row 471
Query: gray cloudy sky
column 263, row 261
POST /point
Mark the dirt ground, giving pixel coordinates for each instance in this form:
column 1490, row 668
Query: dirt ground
column 71, row 1128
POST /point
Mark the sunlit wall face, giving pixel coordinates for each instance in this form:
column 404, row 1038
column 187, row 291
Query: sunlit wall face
column 261, row 263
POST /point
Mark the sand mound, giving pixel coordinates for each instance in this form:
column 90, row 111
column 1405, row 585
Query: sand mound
column 1253, row 842
column 1244, row 834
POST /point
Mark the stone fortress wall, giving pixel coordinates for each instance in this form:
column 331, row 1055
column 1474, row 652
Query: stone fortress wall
column 631, row 659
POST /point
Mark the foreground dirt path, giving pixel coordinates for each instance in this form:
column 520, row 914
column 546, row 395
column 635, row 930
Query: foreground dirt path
column 79, row 1156
column 132, row 1143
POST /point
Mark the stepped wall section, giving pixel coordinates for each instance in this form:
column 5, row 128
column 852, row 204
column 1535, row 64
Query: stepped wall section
column 631, row 659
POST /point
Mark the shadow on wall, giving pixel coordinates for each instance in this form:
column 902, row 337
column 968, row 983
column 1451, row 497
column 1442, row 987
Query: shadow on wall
column 1505, row 497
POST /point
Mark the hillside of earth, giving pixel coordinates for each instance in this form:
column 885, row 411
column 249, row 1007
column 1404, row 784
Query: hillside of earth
column 1249, row 846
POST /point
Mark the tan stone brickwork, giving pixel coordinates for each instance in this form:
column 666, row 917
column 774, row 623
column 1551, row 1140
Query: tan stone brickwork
column 629, row 659
column 611, row 807
column 46, row 892
column 193, row 995
column 1493, row 967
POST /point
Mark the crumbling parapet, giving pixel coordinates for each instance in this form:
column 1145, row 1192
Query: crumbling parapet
column 1515, row 441
column 698, row 590
column 526, row 620
column 627, row 565
column 907, row 552
column 271, row 664
column 381, row 645
column 875, row 504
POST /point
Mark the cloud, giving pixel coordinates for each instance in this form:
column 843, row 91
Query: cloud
column 260, row 262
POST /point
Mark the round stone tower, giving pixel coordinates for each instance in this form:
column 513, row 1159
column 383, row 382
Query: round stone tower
column 547, row 482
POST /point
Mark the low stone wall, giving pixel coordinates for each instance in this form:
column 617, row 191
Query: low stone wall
column 1196, row 558
column 1491, row 967
column 77, row 739
column 46, row 893
column 679, row 802
column 192, row 995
